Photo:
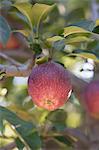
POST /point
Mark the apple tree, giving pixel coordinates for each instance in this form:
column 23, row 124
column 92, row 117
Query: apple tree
column 49, row 75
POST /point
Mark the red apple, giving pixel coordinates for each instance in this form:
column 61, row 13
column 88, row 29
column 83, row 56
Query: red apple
column 13, row 43
column 49, row 85
column 91, row 98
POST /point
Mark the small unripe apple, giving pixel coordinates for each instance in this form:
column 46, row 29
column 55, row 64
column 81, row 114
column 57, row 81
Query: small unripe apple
column 49, row 85
column 91, row 98
column 12, row 43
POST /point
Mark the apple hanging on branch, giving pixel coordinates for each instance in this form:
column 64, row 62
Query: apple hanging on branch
column 49, row 85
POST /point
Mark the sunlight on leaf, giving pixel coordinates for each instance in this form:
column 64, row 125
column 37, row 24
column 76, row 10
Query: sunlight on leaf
column 78, row 39
column 40, row 12
column 85, row 55
column 25, row 9
column 54, row 39
column 74, row 29
column 25, row 33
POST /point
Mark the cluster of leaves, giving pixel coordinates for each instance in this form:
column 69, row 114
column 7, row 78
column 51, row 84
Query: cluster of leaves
column 74, row 40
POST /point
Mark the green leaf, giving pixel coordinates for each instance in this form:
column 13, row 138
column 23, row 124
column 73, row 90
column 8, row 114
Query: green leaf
column 42, row 113
column 19, row 144
column 77, row 39
column 85, row 55
column 4, row 30
column 64, row 140
column 56, row 42
column 74, row 29
column 85, row 24
column 34, row 13
column 25, row 9
column 1, row 125
column 40, row 12
column 54, row 39
column 58, row 118
column 25, row 129
column 25, row 33
column 59, row 45
column 96, row 29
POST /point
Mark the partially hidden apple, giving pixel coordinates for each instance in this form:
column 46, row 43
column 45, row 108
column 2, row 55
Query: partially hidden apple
column 13, row 43
column 91, row 98
column 49, row 85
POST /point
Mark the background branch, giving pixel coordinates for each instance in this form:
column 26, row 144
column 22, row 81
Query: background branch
column 11, row 60
column 19, row 71
column 20, row 53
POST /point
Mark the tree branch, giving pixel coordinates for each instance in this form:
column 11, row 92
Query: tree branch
column 20, row 53
column 76, row 133
column 12, row 61
column 19, row 71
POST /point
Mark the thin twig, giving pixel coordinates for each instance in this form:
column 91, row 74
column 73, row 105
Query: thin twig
column 19, row 71
column 12, row 61
column 76, row 133
column 20, row 53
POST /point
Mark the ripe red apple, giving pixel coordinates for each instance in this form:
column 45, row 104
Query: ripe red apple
column 49, row 85
column 12, row 43
column 91, row 98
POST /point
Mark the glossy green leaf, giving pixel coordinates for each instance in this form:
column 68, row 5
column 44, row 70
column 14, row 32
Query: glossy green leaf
column 74, row 29
column 4, row 30
column 25, row 129
column 85, row 55
column 56, row 42
column 25, row 33
column 40, row 12
column 78, row 39
column 54, row 39
column 25, row 9
column 34, row 13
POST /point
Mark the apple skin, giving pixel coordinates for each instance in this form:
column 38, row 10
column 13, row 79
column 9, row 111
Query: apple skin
column 49, row 85
column 13, row 43
column 91, row 98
